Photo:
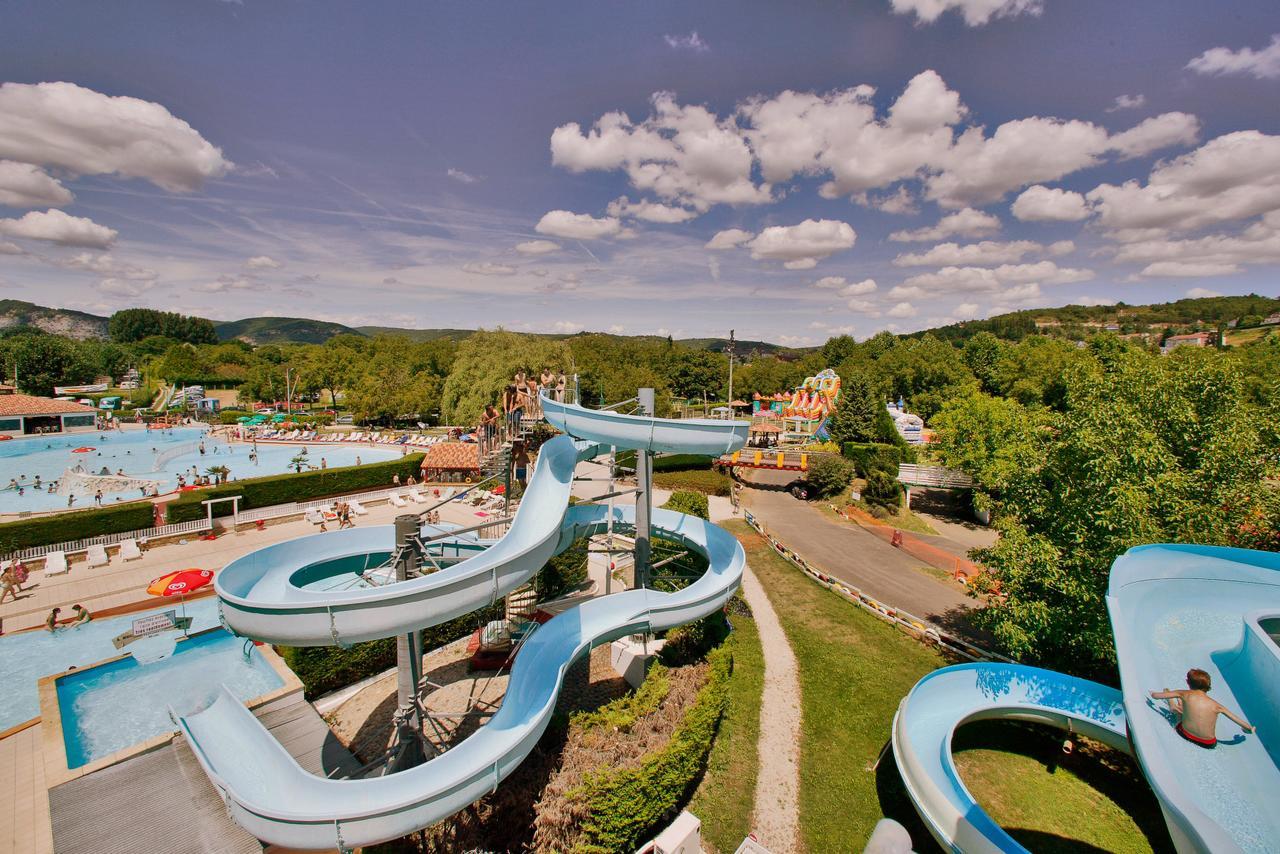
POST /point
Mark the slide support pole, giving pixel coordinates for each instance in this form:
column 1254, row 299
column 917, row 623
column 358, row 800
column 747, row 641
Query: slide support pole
column 408, row 654
column 644, row 499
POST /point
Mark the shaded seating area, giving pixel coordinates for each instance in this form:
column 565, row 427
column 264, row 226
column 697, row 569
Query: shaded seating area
column 452, row 462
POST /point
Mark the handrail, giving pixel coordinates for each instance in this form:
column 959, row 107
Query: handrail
column 73, row 546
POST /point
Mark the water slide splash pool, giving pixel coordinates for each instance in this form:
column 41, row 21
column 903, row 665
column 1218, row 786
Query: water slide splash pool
column 272, row 797
column 1172, row 607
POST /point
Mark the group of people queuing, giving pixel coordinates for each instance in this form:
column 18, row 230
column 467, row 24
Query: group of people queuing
column 519, row 399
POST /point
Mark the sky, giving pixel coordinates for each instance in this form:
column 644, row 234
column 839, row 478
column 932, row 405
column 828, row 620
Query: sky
column 791, row 171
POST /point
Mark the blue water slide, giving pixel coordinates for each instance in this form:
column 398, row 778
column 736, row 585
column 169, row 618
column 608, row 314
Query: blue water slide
column 273, row 798
column 928, row 716
column 1174, row 607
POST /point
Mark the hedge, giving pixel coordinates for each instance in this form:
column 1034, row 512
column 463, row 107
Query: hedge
column 690, row 502
column 708, row 482
column 626, row 806
column 283, row 488
column 873, row 456
column 669, row 462
column 75, row 525
column 327, row 668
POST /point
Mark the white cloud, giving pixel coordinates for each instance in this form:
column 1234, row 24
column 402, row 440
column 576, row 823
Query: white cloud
column 976, row 12
column 864, row 306
column 58, row 227
column 1259, row 243
column 713, row 267
column 802, row 245
column 649, row 211
column 1094, row 301
column 1235, row 176
column 25, row 186
column 263, row 262
column 901, row 292
column 87, row 133
column 1127, row 102
column 122, row 288
column 1163, row 131
column 1029, row 292
column 962, row 223
column 965, row 311
column 830, row 282
column 537, row 247
column 728, row 238
column 993, row 280
column 488, row 268
column 1188, row 269
column 857, row 289
column 227, row 283
column 575, row 226
column 1045, row 204
column 7, row 248
column 900, row 201
column 567, row 327
column 682, row 154
column 1263, row 64
column 985, row 253
column 692, row 42
column 616, row 329
column 107, row 266
column 1201, row 293
column 902, row 309
column 462, row 177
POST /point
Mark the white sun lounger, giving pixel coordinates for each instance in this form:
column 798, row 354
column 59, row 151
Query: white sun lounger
column 55, row 563
column 129, row 550
column 357, row 508
column 97, row 556
column 417, row 496
column 314, row 516
column 397, row 500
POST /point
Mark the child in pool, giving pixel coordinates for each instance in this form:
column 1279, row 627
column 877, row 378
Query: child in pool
column 1198, row 712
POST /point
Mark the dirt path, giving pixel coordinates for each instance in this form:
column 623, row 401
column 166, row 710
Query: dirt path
column 776, row 815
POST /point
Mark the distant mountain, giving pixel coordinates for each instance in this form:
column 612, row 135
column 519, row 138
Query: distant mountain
column 15, row 314
column 417, row 335
column 281, row 330
column 742, row 348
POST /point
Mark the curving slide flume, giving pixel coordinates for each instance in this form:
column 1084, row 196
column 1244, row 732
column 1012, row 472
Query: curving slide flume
column 939, row 703
column 273, row 798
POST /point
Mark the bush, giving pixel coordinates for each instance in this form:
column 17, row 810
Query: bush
column 327, row 668
column 75, row 525
column 873, row 456
column 687, row 501
column 882, row 491
column 709, row 482
column 828, row 476
column 627, row 806
column 231, row 416
column 283, row 488
column 564, row 572
column 669, row 462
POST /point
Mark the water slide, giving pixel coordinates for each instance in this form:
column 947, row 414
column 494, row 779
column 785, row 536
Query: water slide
column 1174, row 607
column 273, row 798
column 945, row 699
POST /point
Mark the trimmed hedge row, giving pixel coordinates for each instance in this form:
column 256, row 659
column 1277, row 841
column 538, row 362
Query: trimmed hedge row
column 873, row 456
column 327, row 668
column 626, row 806
column 707, row 482
column 75, row 525
column 669, row 462
column 283, row 488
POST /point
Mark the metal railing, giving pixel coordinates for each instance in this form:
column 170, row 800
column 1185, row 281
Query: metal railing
column 74, row 546
column 936, row 476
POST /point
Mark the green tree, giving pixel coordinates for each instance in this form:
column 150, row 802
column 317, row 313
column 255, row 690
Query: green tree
column 486, row 362
column 135, row 324
column 688, row 502
column 693, row 373
column 982, row 353
column 857, row 415
column 990, row 438
column 43, row 361
column 828, row 476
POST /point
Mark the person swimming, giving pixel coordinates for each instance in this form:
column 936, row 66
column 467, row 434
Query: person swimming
column 1197, row 712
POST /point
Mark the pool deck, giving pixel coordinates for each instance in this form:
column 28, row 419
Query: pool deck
column 121, row 584
column 24, row 812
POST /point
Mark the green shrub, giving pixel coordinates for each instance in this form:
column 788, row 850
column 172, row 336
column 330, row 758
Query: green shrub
column 690, row 502
column 669, row 462
column 708, row 482
column 564, row 572
column 873, row 456
column 283, row 488
column 75, row 525
column 627, row 806
column 327, row 668
column 828, row 476
column 231, row 416
column 882, row 491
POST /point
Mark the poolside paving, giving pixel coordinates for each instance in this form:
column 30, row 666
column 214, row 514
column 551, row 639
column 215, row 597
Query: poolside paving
column 24, row 809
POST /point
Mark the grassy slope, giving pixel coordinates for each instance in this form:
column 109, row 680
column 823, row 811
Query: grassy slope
column 854, row 670
column 725, row 796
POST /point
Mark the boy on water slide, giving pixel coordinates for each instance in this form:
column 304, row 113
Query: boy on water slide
column 1198, row 712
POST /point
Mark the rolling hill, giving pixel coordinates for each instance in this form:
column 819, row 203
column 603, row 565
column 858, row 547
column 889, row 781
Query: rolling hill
column 281, row 330
column 16, row 314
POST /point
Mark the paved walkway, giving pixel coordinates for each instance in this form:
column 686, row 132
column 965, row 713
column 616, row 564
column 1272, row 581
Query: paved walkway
column 776, row 814
column 861, row 559
column 24, row 817
column 124, row 583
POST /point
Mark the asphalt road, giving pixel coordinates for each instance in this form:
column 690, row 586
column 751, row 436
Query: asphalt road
column 844, row 550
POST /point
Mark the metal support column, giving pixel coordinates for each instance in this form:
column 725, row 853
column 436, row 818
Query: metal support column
column 408, row 655
column 644, row 499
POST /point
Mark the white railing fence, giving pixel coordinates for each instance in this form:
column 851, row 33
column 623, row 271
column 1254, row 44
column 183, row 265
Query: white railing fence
column 916, row 475
column 73, row 546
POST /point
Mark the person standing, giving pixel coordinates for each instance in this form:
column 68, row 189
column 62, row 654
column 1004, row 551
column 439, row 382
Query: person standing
column 561, row 384
column 520, row 462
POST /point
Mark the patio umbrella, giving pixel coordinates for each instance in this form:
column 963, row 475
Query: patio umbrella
column 84, row 450
column 179, row 583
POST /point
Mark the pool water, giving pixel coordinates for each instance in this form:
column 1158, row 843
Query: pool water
column 159, row 455
column 109, row 708
column 27, row 656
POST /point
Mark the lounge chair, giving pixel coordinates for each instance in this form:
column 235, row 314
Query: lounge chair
column 397, row 500
column 97, row 556
column 357, row 508
column 417, row 496
column 129, row 549
column 55, row 563
column 314, row 516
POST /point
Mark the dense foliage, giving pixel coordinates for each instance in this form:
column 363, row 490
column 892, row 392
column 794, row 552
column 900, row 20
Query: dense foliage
column 688, row 502
column 828, row 476
column 74, row 525
column 135, row 324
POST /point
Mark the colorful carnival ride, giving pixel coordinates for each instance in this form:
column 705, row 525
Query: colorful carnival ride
column 805, row 411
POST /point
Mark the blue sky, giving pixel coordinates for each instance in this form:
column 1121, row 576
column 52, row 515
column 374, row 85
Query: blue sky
column 787, row 170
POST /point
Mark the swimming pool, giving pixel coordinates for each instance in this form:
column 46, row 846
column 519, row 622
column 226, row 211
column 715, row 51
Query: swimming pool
column 109, row 708
column 27, row 656
column 159, row 455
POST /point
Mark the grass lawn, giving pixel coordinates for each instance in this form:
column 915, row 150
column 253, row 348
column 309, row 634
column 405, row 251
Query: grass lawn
column 708, row 481
column 854, row 670
column 726, row 794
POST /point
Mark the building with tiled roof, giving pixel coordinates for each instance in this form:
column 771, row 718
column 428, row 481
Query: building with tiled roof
column 451, row 461
column 25, row 414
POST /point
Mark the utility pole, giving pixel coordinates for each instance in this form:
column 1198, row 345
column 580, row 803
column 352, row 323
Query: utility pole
column 729, row 350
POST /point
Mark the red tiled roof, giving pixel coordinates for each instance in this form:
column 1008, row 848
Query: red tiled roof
column 26, row 404
column 452, row 455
